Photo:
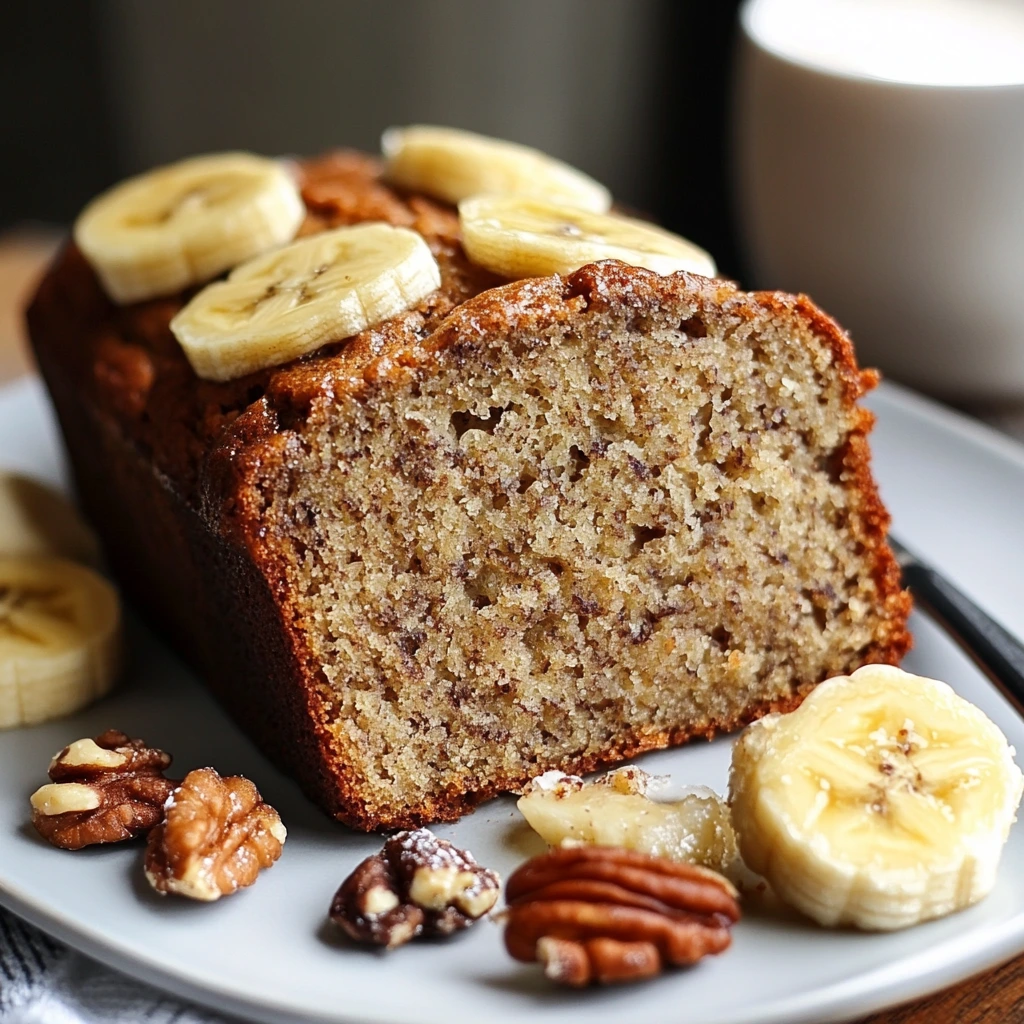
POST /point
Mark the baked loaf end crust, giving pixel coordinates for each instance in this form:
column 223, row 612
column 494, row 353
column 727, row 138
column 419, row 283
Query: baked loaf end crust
column 552, row 523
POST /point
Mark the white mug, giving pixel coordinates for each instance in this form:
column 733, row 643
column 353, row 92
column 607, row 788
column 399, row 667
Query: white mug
column 888, row 184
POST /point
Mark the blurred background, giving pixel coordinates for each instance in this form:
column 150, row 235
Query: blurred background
column 632, row 91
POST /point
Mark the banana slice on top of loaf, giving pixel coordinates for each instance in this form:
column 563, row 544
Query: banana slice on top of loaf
column 514, row 526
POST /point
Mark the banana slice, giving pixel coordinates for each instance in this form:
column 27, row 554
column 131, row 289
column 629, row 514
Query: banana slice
column 616, row 809
column 454, row 165
column 60, row 631
column 520, row 237
column 287, row 303
column 36, row 520
column 186, row 223
column 884, row 800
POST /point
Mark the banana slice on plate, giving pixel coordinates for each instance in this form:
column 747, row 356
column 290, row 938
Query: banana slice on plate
column 883, row 801
column 522, row 237
column 60, row 638
column 290, row 302
column 453, row 165
column 184, row 224
column 617, row 809
column 36, row 520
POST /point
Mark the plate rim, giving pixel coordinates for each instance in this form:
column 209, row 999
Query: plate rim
column 846, row 999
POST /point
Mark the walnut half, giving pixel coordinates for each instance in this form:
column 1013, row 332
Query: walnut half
column 216, row 837
column 102, row 791
column 417, row 885
column 600, row 914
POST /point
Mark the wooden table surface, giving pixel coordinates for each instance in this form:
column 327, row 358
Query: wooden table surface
column 996, row 997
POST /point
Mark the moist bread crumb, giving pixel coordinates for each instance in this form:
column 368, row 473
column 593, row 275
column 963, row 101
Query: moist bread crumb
column 548, row 524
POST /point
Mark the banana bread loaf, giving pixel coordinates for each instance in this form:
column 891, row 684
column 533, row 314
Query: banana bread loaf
column 544, row 524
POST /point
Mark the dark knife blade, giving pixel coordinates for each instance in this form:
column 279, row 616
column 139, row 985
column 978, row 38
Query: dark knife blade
column 995, row 651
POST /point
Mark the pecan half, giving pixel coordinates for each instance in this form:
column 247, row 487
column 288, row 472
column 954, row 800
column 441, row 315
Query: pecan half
column 102, row 791
column 603, row 914
column 216, row 836
column 417, row 885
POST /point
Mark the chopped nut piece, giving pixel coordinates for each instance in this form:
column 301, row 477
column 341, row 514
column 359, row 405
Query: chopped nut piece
column 599, row 914
column 217, row 836
column 417, row 885
column 617, row 810
column 102, row 791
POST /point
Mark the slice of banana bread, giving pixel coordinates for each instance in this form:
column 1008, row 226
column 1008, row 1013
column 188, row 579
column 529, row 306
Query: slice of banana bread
column 546, row 524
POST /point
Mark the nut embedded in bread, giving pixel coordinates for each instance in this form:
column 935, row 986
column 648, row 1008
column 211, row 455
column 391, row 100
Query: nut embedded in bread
column 549, row 524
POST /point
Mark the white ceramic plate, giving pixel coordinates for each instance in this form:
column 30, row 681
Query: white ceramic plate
column 956, row 491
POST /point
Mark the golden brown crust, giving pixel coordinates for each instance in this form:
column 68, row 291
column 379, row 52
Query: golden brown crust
column 172, row 468
column 855, row 458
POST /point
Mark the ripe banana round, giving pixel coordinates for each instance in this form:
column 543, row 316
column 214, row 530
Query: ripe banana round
column 36, row 520
column 454, row 165
column 883, row 801
column 184, row 224
column 290, row 302
column 60, row 632
column 520, row 237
